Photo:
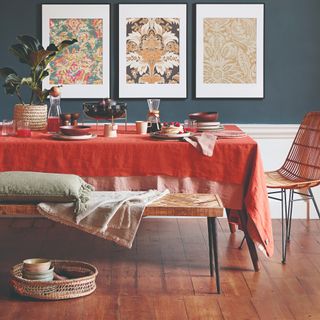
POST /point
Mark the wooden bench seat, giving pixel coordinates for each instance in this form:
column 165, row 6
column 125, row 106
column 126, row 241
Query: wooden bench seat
column 174, row 205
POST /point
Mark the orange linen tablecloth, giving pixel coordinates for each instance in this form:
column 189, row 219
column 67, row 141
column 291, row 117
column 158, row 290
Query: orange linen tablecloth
column 234, row 161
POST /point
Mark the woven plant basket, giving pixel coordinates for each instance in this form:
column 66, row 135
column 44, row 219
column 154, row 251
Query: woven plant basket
column 36, row 115
column 57, row 289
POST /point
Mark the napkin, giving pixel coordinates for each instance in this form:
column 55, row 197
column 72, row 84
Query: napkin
column 204, row 142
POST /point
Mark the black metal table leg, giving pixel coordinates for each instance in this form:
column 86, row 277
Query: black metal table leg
column 251, row 246
column 210, row 246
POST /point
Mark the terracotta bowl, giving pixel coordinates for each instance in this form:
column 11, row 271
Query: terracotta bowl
column 36, row 265
column 75, row 130
column 209, row 116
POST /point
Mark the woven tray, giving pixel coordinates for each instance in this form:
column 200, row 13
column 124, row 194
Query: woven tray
column 57, row 289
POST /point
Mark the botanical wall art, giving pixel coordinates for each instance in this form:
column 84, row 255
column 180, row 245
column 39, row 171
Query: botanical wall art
column 229, row 58
column 84, row 72
column 152, row 51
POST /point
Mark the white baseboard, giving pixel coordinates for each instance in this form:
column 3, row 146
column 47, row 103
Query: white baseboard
column 270, row 131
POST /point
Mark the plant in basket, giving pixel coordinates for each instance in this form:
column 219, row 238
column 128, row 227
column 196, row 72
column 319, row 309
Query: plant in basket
column 30, row 51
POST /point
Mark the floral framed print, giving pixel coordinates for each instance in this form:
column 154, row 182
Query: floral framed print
column 229, row 51
column 84, row 70
column 152, row 50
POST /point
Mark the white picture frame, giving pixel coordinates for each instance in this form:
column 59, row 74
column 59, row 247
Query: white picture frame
column 164, row 75
column 229, row 50
column 85, row 72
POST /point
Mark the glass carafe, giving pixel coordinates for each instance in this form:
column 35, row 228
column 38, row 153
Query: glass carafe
column 54, row 115
column 153, row 117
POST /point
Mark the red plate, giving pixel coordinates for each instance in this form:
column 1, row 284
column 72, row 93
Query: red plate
column 75, row 130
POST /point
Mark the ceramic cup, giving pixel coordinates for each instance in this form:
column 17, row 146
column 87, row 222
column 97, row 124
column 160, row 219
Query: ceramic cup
column 141, row 127
column 36, row 265
column 110, row 130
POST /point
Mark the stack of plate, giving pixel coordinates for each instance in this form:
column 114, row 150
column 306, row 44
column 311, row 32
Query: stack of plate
column 230, row 134
column 74, row 133
column 209, row 126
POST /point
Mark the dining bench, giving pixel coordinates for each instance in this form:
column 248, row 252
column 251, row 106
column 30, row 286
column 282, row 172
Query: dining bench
column 171, row 205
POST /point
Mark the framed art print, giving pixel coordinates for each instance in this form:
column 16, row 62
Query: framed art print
column 229, row 51
column 84, row 70
column 152, row 50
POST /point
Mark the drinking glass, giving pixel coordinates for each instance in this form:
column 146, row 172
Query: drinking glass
column 190, row 125
column 23, row 129
column 8, row 128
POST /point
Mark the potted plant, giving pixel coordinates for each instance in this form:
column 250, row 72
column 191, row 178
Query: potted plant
column 30, row 51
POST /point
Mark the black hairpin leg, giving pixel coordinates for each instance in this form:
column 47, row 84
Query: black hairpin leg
column 210, row 246
column 314, row 202
column 242, row 242
column 213, row 250
column 285, row 223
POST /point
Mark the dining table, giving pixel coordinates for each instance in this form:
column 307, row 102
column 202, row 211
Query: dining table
column 134, row 161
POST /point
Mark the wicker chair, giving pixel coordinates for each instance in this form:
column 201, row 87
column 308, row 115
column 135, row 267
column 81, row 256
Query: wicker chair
column 300, row 171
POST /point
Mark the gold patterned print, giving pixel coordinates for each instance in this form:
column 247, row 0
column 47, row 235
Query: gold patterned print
column 152, row 52
column 229, row 50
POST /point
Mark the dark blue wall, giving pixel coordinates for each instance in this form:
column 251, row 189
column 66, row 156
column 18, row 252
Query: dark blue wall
column 292, row 63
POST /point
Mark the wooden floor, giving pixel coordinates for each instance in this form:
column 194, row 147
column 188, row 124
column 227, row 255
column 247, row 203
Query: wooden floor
column 165, row 274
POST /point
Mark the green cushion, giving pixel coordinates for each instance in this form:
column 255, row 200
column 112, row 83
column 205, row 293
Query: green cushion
column 35, row 187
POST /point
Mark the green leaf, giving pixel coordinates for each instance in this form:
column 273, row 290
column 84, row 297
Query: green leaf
column 45, row 73
column 32, row 43
column 13, row 78
column 9, row 89
column 42, row 94
column 52, row 47
column 27, row 81
column 21, row 51
column 4, row 72
column 40, row 74
column 12, row 83
column 38, row 57
column 66, row 43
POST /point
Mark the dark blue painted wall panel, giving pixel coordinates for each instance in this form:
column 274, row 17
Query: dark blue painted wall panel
column 292, row 63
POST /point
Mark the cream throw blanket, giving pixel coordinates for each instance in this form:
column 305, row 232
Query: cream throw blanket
column 112, row 215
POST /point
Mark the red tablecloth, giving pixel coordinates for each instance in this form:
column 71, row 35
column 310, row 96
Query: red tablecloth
column 235, row 161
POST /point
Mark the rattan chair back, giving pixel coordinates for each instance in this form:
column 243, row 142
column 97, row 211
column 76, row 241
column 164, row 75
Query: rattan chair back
column 303, row 160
